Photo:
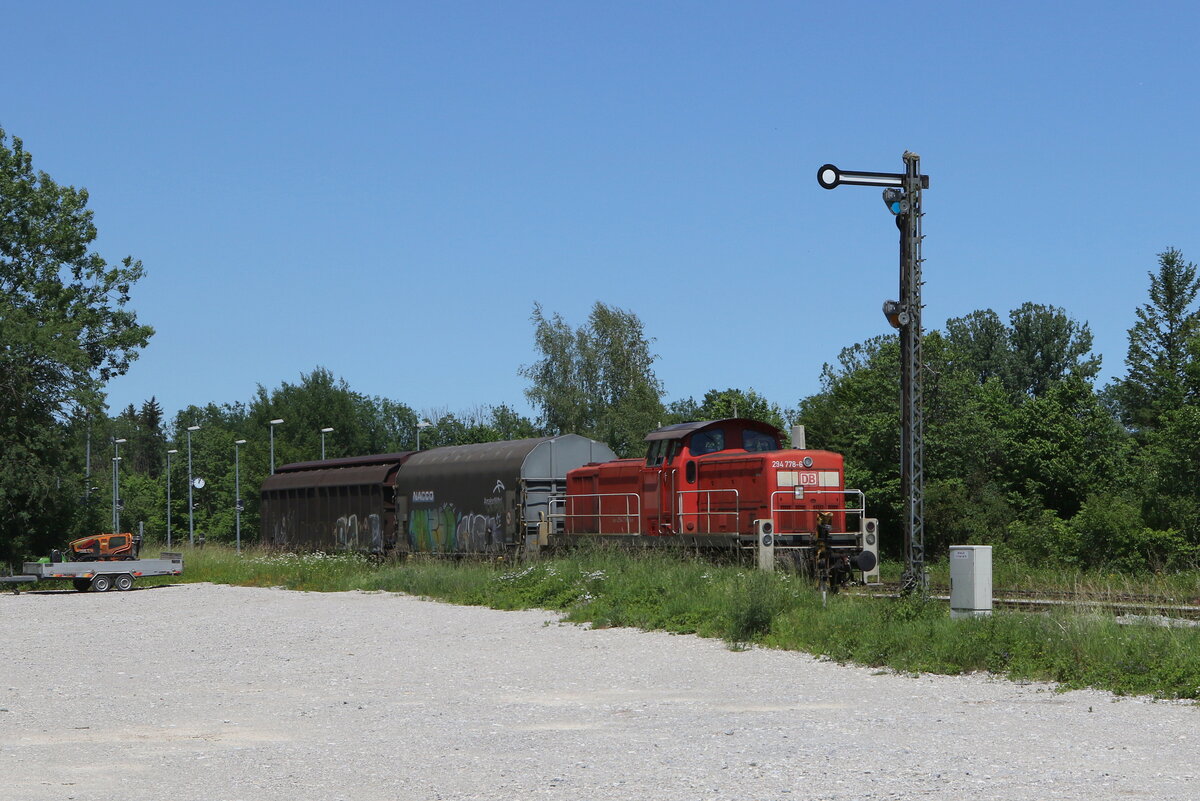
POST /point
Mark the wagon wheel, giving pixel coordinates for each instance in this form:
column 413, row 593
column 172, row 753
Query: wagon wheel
column 101, row 583
column 123, row 582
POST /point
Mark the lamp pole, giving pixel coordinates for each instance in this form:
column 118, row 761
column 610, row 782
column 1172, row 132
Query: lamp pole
column 116, row 515
column 191, row 509
column 324, row 431
column 420, row 425
column 237, row 490
column 171, row 451
column 272, row 424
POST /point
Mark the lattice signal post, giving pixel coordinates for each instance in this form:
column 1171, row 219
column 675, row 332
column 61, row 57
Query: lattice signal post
column 902, row 196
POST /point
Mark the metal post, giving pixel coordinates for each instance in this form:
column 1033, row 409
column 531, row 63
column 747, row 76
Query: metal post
column 272, row 425
column 902, row 196
column 324, row 431
column 87, row 481
column 172, row 450
column 116, row 521
column 237, row 490
column 191, row 505
column 912, row 446
column 420, row 425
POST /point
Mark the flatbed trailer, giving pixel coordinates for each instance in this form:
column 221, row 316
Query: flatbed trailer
column 100, row 576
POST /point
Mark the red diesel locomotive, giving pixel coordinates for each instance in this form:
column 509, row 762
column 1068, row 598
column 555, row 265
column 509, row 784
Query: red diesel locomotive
column 727, row 483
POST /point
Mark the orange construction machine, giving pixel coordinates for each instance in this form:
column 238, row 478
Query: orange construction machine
column 103, row 548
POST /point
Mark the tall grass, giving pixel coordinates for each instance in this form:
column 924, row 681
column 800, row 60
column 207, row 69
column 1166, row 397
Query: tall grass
column 675, row 593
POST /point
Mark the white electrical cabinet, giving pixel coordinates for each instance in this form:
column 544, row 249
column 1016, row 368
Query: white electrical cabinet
column 970, row 580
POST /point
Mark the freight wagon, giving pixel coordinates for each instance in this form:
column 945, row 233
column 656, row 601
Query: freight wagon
column 482, row 498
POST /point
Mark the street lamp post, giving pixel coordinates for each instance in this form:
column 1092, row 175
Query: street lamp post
column 116, row 513
column 420, row 425
column 191, row 509
column 324, row 431
column 173, row 450
column 272, row 424
column 237, row 490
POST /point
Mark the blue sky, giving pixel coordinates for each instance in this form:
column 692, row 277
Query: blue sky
column 385, row 189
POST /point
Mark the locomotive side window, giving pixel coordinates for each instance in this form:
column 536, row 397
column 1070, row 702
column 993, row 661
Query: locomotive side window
column 708, row 442
column 654, row 456
column 756, row 442
column 673, row 451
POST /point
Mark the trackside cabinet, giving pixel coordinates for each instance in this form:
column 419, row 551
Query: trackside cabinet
column 970, row 580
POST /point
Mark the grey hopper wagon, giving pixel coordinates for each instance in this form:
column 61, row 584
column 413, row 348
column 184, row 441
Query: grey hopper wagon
column 487, row 497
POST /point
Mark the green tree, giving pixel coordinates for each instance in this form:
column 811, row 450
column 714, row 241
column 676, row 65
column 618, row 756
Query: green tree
column 1047, row 346
column 598, row 380
column 1064, row 448
column 1168, row 468
column 149, row 443
column 65, row 330
column 1160, row 353
column 992, row 452
column 1039, row 346
column 213, row 459
column 980, row 346
column 857, row 414
column 720, row 403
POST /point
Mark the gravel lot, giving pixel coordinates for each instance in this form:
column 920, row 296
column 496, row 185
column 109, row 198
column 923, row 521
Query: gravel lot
column 212, row 692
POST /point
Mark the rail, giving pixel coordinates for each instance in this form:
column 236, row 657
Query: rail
column 707, row 513
column 629, row 514
column 781, row 516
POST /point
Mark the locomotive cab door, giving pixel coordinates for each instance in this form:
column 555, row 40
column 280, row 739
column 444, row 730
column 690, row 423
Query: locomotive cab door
column 652, row 507
column 667, row 483
column 658, row 490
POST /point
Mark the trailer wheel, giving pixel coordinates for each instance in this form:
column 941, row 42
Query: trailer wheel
column 101, row 583
column 123, row 582
column 82, row 585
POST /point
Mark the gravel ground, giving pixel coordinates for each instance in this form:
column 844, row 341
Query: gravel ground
column 212, row 692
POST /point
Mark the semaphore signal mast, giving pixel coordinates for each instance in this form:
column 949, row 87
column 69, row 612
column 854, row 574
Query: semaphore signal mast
column 902, row 196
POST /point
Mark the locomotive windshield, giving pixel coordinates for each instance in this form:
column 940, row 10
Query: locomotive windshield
column 709, row 441
column 757, row 442
column 661, row 451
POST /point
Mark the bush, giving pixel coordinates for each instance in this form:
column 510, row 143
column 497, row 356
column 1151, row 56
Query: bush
column 753, row 602
column 1044, row 539
column 1112, row 533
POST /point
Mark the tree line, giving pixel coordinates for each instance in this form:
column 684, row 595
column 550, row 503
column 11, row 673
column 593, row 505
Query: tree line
column 1023, row 451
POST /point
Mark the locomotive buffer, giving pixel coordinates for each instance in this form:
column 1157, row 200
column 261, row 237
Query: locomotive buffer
column 902, row 196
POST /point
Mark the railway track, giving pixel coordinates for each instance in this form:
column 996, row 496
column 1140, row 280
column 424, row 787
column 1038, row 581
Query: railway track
column 1046, row 600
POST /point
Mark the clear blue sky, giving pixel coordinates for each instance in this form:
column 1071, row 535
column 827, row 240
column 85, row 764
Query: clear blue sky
column 385, row 189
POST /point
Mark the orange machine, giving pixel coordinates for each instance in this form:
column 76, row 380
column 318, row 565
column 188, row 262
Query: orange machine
column 104, row 548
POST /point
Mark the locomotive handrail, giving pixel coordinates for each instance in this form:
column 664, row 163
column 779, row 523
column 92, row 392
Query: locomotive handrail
column 564, row 515
column 778, row 512
column 708, row 512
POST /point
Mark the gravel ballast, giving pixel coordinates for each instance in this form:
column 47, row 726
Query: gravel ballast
column 232, row 693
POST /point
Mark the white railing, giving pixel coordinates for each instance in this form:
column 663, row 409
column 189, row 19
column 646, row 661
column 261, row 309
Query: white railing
column 707, row 512
column 631, row 515
column 842, row 502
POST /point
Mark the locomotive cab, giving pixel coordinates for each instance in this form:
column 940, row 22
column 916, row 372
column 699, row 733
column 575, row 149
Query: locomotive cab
column 706, row 483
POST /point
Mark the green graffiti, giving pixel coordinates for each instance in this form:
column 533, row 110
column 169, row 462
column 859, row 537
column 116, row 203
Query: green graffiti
column 433, row 530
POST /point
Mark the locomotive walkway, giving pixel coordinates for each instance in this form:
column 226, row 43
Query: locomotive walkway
column 203, row 692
